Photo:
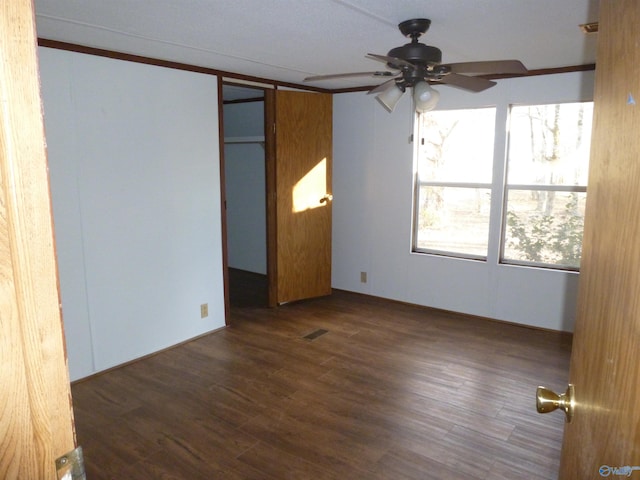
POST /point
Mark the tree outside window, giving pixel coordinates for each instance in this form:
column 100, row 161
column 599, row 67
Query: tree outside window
column 547, row 169
column 544, row 192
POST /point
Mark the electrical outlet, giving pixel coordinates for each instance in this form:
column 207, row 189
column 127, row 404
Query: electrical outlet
column 204, row 310
column 363, row 277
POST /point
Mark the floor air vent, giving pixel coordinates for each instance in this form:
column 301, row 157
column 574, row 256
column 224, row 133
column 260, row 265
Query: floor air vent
column 316, row 334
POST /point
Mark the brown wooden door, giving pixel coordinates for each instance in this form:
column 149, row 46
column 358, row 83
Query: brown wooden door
column 303, row 148
column 36, row 420
column 605, row 362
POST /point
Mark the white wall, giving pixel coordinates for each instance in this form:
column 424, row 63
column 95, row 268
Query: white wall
column 134, row 165
column 372, row 208
column 245, row 187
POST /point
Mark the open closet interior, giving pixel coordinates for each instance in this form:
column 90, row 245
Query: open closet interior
column 245, row 185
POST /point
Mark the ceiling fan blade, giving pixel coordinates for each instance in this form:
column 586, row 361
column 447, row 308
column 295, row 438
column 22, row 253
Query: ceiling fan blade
column 488, row 67
column 474, row 84
column 347, row 75
column 382, row 87
column 391, row 61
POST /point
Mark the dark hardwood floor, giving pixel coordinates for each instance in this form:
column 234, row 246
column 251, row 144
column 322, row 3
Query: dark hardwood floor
column 391, row 391
column 247, row 289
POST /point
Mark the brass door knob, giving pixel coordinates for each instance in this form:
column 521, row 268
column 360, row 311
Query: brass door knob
column 548, row 401
column 327, row 198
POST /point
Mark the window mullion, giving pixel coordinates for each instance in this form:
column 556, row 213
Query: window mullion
column 498, row 183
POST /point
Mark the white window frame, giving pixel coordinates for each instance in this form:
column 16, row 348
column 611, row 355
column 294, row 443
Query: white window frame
column 531, row 187
column 499, row 189
column 452, row 184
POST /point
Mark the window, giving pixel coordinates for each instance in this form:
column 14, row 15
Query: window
column 453, row 182
column 546, row 189
column 538, row 208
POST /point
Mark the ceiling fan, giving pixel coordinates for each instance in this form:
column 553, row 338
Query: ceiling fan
column 417, row 65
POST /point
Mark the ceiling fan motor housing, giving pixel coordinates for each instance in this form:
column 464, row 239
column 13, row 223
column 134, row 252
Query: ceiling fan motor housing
column 416, row 53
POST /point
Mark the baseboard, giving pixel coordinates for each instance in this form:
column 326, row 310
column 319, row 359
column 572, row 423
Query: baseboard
column 561, row 333
column 144, row 357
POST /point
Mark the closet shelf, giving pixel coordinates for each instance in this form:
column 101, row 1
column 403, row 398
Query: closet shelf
column 257, row 139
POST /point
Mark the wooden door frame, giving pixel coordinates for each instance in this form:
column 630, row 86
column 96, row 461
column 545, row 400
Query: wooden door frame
column 270, row 95
column 223, row 205
column 272, row 201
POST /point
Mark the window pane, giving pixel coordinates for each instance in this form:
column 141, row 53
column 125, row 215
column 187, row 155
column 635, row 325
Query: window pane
column 544, row 227
column 453, row 220
column 456, row 145
column 549, row 144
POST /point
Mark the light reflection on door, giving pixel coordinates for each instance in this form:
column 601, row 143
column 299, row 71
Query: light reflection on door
column 311, row 189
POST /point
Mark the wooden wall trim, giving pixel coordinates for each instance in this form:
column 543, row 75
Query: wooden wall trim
column 560, row 333
column 530, row 73
column 72, row 47
column 145, row 357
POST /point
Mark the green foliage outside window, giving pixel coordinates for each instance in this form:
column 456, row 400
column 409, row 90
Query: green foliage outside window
column 548, row 239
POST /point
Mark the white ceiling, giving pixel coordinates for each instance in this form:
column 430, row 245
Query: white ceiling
column 288, row 40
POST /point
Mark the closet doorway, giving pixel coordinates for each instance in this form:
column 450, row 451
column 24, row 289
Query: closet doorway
column 246, row 194
column 277, row 164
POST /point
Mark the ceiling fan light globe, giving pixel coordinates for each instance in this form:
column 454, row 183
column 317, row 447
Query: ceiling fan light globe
column 390, row 97
column 425, row 97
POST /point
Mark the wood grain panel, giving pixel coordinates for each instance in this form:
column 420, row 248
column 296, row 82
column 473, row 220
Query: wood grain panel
column 605, row 365
column 303, row 149
column 36, row 424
